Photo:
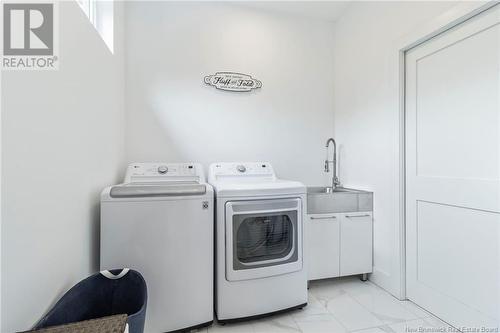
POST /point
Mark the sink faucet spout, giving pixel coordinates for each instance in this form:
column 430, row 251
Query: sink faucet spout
column 333, row 161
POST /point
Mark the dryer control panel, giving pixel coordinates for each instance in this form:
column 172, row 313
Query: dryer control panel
column 239, row 171
column 164, row 172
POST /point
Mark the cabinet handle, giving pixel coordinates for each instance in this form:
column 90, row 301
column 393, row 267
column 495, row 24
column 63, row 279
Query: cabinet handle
column 351, row 216
column 323, row 217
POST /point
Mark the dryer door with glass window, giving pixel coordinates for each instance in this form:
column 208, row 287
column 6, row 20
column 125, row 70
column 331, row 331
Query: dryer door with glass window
column 263, row 238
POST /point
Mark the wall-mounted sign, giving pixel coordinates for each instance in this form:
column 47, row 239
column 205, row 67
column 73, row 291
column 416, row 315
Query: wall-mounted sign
column 232, row 81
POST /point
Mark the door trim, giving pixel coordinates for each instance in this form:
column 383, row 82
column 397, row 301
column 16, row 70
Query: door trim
column 450, row 19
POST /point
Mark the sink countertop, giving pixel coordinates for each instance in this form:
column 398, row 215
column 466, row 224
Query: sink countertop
column 323, row 190
column 340, row 200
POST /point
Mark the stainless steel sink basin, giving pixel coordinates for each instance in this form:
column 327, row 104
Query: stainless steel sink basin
column 324, row 200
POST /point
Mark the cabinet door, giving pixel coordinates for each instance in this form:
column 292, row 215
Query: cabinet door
column 323, row 246
column 355, row 243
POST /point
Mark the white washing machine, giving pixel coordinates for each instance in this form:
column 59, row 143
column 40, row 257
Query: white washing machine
column 160, row 223
column 259, row 241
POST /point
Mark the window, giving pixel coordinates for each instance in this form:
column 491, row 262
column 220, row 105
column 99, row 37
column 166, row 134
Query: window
column 101, row 15
column 89, row 8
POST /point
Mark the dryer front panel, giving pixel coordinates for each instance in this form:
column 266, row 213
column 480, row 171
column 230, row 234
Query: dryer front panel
column 263, row 238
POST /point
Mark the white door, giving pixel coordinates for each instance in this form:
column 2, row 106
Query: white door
column 452, row 173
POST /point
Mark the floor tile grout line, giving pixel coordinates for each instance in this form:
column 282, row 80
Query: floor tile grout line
column 355, row 300
column 405, row 300
column 370, row 328
column 429, row 315
column 327, row 313
column 295, row 321
column 347, row 329
column 392, row 296
column 342, row 289
column 371, row 312
column 332, row 314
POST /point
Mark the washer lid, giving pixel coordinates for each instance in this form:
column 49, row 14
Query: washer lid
column 156, row 190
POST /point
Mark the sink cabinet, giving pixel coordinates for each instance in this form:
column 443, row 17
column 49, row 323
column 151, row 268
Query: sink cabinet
column 356, row 243
column 339, row 244
column 323, row 246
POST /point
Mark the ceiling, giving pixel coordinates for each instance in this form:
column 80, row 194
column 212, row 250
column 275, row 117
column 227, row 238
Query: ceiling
column 322, row 10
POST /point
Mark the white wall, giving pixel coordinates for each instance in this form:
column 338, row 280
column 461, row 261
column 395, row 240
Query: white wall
column 174, row 116
column 367, row 113
column 62, row 142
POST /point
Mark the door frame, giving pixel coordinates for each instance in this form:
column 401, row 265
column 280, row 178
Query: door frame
column 451, row 18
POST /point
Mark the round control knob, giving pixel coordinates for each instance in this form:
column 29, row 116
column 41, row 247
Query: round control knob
column 162, row 169
column 241, row 168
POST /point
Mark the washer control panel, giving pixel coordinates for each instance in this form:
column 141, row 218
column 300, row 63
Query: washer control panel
column 156, row 172
column 241, row 170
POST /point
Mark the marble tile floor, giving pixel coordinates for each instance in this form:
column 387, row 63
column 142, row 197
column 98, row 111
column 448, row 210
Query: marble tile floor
column 344, row 305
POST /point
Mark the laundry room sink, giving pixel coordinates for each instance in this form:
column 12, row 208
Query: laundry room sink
column 323, row 200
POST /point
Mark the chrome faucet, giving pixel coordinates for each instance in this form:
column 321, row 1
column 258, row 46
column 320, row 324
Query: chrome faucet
column 335, row 179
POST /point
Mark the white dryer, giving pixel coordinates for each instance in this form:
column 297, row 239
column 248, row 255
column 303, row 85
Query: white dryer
column 160, row 223
column 259, row 241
